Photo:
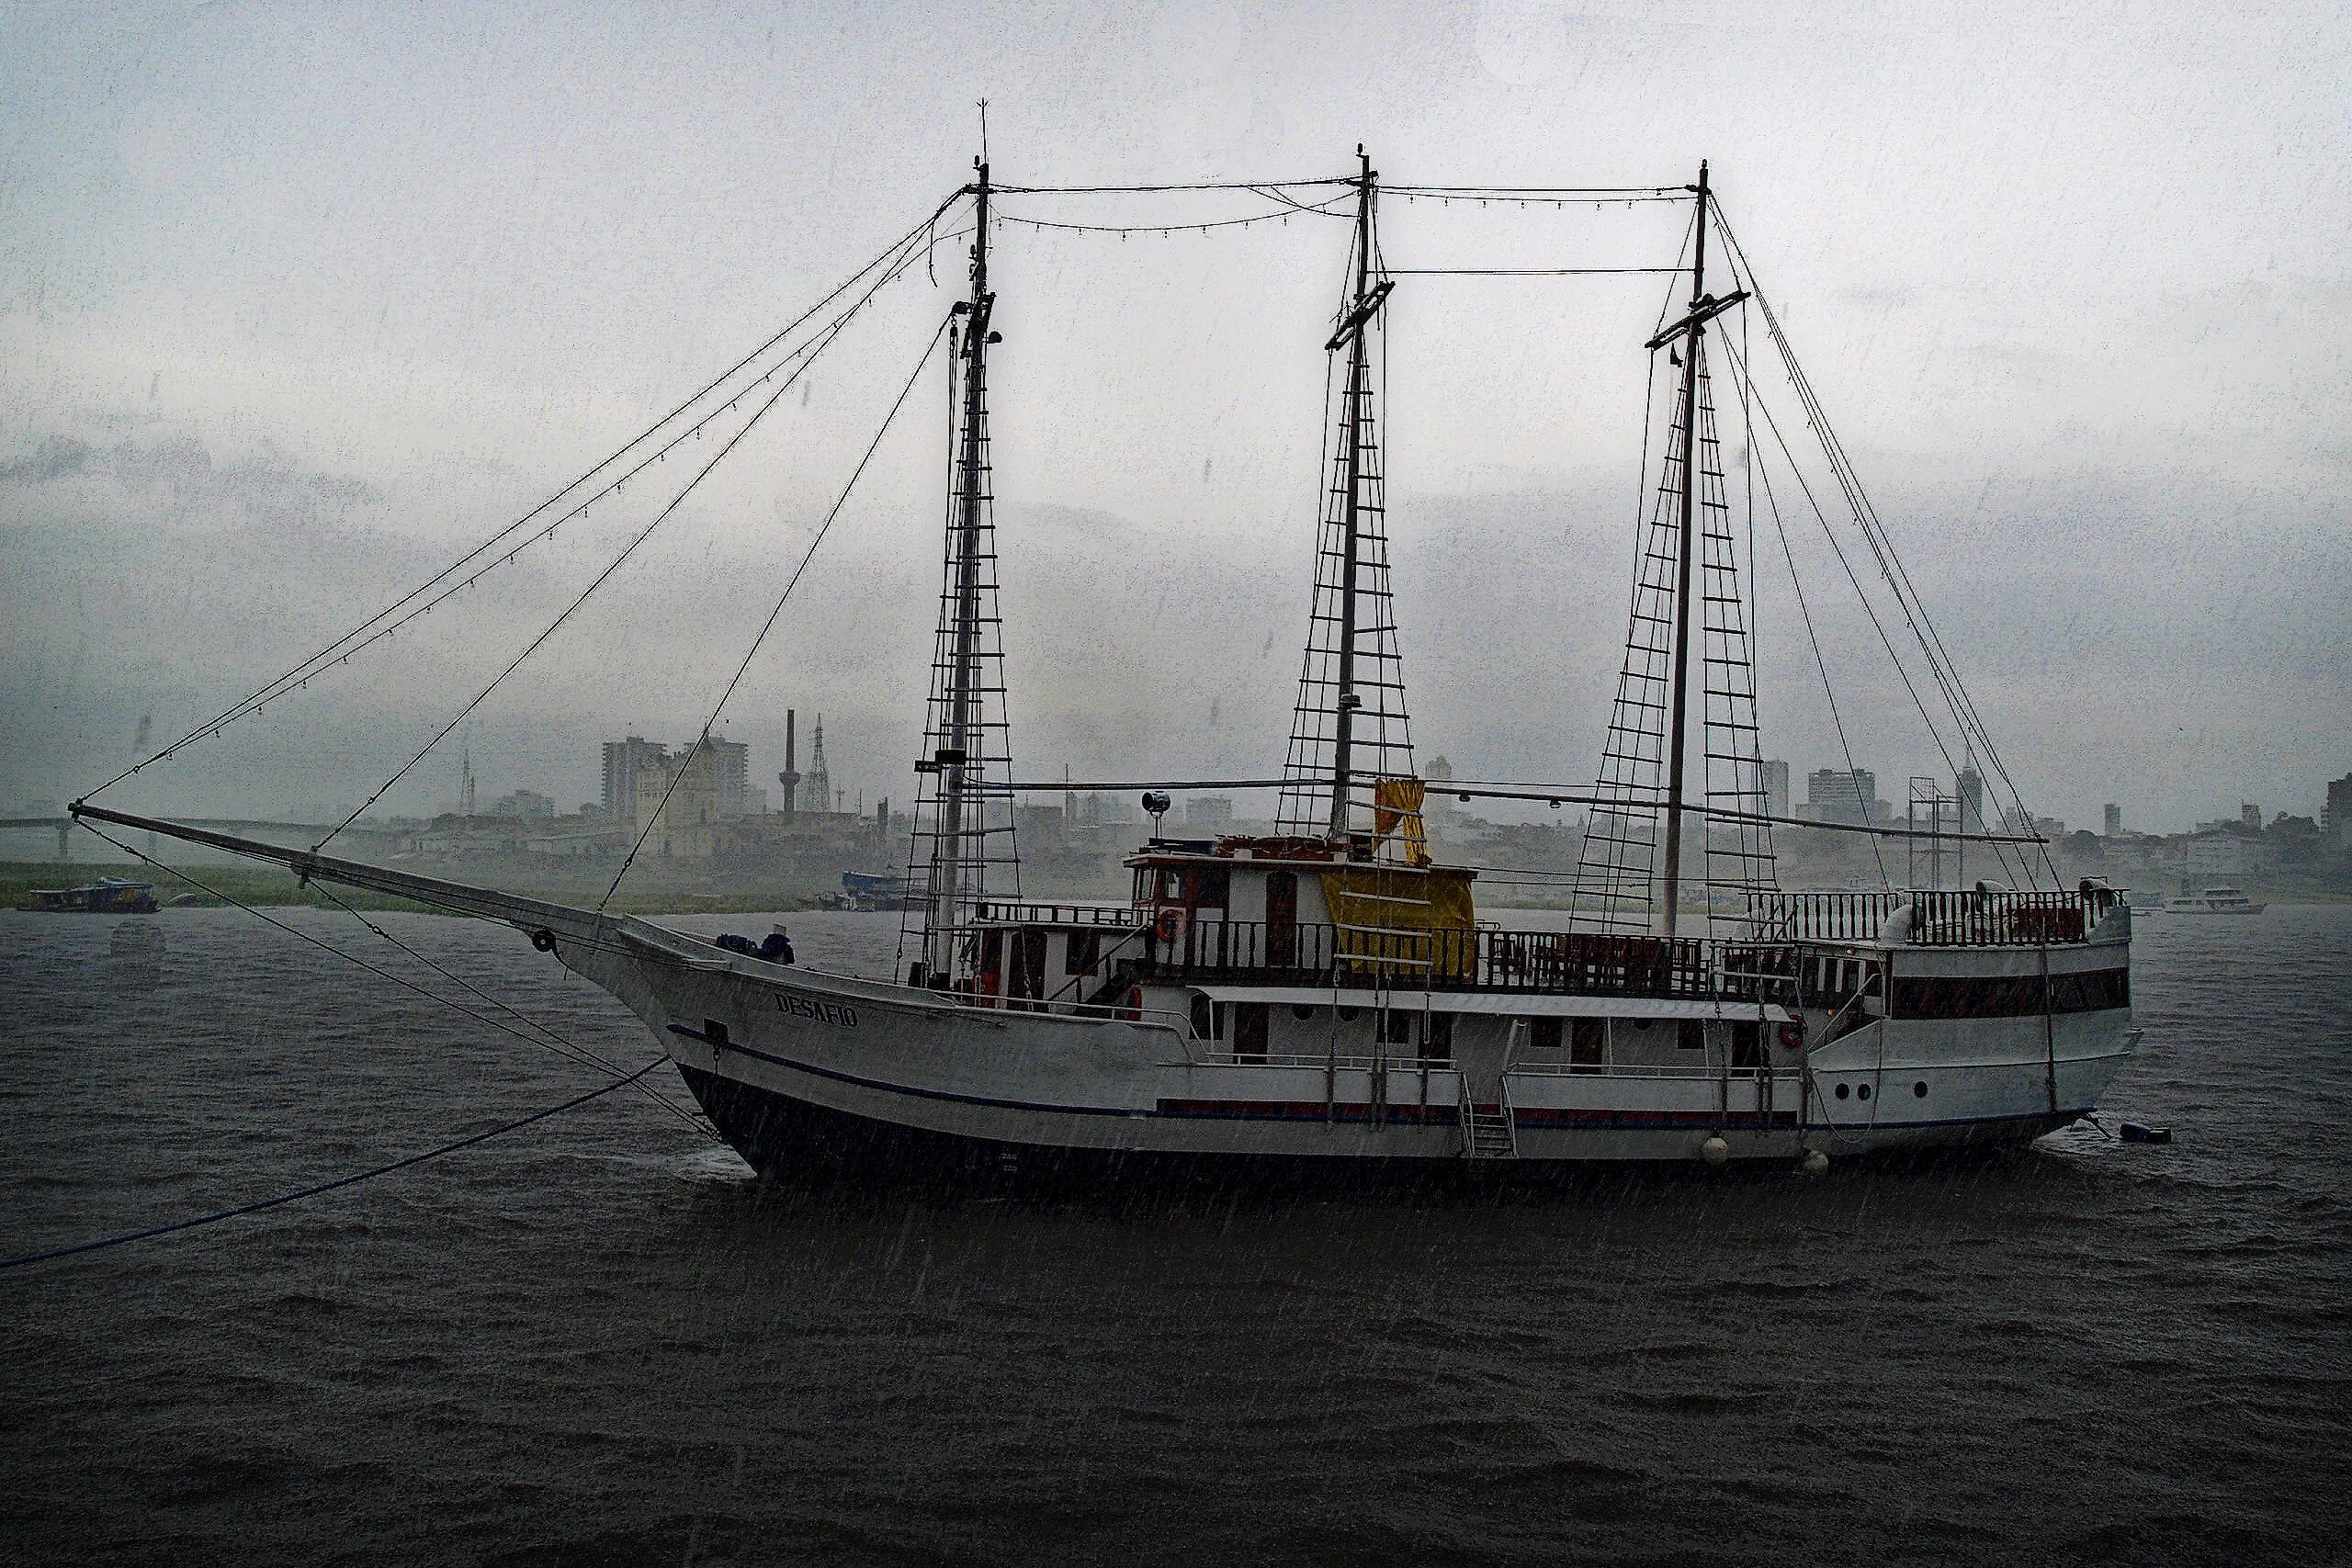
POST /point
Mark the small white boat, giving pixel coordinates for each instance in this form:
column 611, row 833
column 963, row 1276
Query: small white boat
column 2213, row 901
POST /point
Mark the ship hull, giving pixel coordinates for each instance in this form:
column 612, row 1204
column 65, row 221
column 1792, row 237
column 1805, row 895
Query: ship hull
column 808, row 1073
column 805, row 1142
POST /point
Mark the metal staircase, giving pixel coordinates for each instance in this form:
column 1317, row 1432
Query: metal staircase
column 1488, row 1133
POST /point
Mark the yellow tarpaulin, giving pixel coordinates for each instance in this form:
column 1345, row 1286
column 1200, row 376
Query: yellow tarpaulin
column 1406, row 918
column 1396, row 809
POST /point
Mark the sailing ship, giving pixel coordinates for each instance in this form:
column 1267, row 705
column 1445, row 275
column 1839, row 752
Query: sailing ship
column 1325, row 999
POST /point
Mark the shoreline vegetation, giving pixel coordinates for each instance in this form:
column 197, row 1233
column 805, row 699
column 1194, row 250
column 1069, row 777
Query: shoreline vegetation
column 269, row 888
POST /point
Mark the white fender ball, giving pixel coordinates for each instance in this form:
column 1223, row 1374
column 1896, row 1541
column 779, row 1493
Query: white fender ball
column 1814, row 1162
column 1715, row 1151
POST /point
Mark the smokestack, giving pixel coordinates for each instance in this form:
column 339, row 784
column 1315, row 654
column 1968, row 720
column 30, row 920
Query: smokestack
column 790, row 777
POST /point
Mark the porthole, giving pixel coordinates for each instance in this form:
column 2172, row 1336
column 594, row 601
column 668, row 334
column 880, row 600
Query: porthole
column 1919, row 1090
column 1301, row 1011
column 1843, row 1091
column 1863, row 1092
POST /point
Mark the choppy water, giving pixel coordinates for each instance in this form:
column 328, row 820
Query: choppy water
column 599, row 1340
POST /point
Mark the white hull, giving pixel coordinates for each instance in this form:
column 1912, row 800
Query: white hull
column 890, row 1057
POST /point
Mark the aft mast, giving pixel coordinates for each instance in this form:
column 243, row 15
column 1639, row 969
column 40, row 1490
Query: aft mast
column 1687, row 576
column 965, row 822
column 1671, row 894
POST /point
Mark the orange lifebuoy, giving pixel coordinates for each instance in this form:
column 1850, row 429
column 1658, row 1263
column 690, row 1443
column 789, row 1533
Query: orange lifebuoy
column 1792, row 1034
column 1170, row 926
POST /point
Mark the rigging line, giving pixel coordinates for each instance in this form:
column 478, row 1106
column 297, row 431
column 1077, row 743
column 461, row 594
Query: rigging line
column 1526, row 271
column 615, row 565
column 1955, row 697
column 1940, row 656
column 801, row 355
column 1147, row 190
column 1549, row 193
column 1333, row 206
column 769, row 624
column 353, row 958
column 1155, row 227
column 569, row 1050
column 1804, row 611
column 1772, row 423
column 317, row 660
column 317, row 1187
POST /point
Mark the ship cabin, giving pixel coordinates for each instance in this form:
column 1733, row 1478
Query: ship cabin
column 1290, row 950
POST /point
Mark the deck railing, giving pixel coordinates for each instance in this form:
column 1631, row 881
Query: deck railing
column 1944, row 917
column 1578, row 963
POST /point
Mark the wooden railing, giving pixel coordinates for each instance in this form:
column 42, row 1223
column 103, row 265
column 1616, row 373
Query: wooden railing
column 1938, row 919
column 1571, row 963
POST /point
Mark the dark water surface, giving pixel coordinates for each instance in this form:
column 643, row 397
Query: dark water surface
column 599, row 1340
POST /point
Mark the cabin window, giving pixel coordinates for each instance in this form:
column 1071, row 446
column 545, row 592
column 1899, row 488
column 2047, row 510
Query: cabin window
column 1689, row 1035
column 1203, row 1018
column 1212, row 886
column 1544, row 1035
column 1250, row 1031
column 1396, row 1029
column 1083, row 951
column 1172, row 885
column 1441, row 1041
column 1588, row 1045
column 1747, row 1042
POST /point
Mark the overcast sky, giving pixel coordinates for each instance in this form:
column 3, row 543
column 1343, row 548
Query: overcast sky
column 296, row 302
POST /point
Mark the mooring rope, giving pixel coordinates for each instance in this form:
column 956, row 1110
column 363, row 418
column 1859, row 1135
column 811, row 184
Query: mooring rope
column 102, row 1244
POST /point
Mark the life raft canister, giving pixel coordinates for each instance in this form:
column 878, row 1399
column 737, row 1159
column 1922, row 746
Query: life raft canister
column 1135, row 1004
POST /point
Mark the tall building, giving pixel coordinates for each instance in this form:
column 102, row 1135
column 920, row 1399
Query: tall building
column 1209, row 811
column 2337, row 818
column 1835, row 794
column 1969, row 787
column 730, row 766
column 2111, row 820
column 1775, row 776
column 676, row 811
column 624, row 759
column 2249, row 815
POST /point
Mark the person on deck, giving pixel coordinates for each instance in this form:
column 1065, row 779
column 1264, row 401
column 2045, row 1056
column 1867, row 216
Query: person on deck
column 776, row 947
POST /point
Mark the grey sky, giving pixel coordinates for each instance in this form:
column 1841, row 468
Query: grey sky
column 294, row 301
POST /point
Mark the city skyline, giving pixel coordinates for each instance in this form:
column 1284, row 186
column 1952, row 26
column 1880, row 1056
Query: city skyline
column 287, row 337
